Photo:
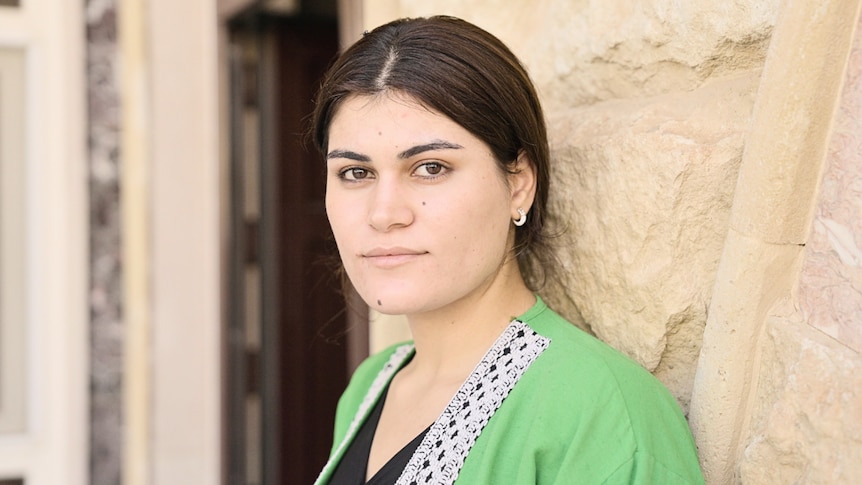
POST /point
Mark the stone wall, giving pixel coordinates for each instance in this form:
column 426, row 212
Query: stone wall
column 775, row 400
column 808, row 407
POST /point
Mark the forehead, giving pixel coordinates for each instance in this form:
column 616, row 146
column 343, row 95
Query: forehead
column 389, row 114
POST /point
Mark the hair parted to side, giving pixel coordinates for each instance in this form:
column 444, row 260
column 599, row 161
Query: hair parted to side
column 455, row 68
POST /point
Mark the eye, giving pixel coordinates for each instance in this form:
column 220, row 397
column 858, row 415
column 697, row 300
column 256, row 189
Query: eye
column 430, row 169
column 354, row 174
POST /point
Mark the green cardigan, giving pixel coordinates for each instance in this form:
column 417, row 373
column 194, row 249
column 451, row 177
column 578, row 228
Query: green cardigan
column 548, row 404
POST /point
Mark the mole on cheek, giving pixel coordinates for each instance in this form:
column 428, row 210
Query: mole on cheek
column 423, row 202
column 379, row 303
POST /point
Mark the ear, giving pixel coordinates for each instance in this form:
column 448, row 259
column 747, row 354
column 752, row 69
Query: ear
column 522, row 184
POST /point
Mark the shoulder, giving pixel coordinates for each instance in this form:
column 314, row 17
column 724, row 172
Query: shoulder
column 576, row 356
column 581, row 388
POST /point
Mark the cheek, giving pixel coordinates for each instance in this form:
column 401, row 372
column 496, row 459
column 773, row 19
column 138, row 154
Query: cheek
column 480, row 226
column 337, row 211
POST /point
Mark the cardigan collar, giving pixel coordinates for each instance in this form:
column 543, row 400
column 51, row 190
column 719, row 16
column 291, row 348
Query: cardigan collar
column 442, row 452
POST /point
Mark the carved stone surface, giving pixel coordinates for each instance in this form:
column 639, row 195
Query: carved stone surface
column 831, row 283
column 591, row 51
column 643, row 191
column 106, row 331
column 806, row 425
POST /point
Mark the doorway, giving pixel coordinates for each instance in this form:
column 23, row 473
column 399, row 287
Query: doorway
column 287, row 341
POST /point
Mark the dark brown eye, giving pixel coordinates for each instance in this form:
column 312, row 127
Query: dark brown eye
column 354, row 173
column 430, row 169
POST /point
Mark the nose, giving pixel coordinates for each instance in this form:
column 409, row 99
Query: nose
column 390, row 207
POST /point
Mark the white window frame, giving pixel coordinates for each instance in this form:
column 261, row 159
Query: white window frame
column 13, row 250
column 51, row 446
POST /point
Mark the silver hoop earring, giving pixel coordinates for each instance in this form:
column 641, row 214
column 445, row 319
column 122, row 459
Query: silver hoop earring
column 520, row 222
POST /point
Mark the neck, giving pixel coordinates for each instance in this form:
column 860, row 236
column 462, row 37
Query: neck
column 450, row 341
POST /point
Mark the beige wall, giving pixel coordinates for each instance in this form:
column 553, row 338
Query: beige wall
column 171, row 210
column 689, row 141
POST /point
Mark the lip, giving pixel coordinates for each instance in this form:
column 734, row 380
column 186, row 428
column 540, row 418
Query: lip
column 391, row 257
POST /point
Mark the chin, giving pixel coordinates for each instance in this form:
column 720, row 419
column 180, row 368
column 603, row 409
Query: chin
column 387, row 310
column 395, row 301
column 393, row 305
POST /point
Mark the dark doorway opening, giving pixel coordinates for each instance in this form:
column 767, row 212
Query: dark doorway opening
column 287, row 342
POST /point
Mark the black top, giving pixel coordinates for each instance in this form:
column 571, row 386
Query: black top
column 353, row 465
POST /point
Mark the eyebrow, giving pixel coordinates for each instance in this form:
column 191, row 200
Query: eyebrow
column 348, row 155
column 410, row 152
column 427, row 147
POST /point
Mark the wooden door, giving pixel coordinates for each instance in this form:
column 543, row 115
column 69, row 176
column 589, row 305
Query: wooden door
column 307, row 309
column 287, row 344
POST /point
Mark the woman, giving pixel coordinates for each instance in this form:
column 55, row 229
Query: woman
column 437, row 162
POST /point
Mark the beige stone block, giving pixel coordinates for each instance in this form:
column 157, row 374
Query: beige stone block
column 642, row 190
column 831, row 281
column 754, row 280
column 807, row 420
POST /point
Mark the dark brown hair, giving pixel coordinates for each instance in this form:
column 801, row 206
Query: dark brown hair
column 457, row 69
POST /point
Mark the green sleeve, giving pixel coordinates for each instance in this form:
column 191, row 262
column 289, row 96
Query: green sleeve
column 644, row 469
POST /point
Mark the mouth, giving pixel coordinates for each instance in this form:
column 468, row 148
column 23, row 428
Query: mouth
column 391, row 257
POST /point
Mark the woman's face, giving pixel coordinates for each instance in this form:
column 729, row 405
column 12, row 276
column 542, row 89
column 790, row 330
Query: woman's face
column 420, row 209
